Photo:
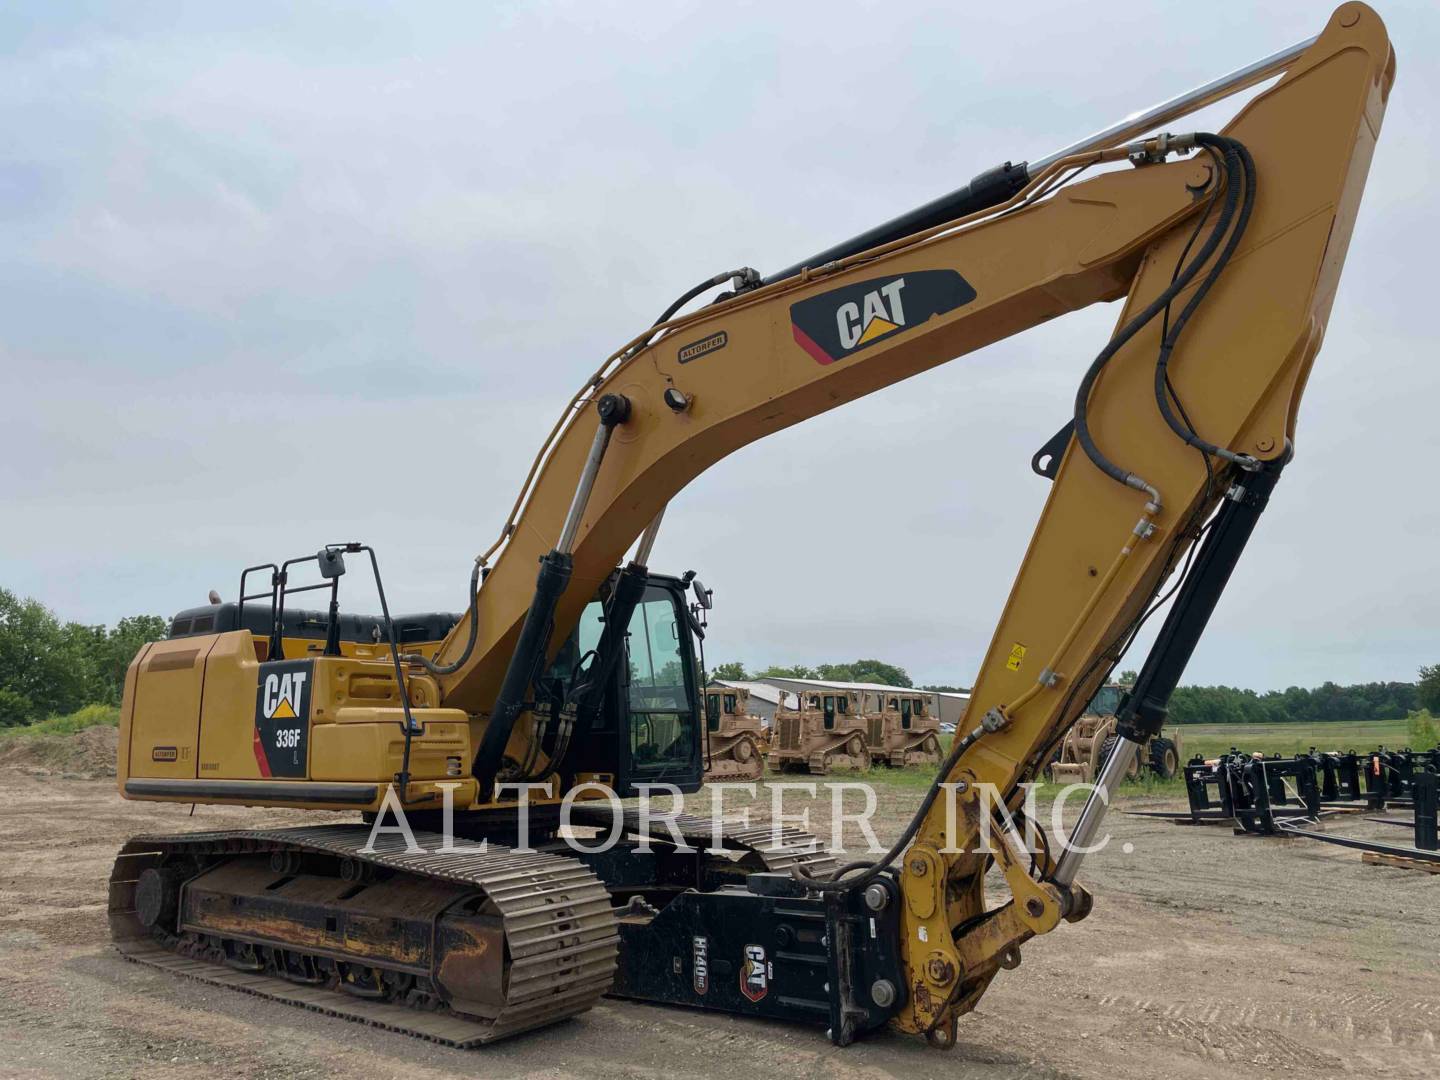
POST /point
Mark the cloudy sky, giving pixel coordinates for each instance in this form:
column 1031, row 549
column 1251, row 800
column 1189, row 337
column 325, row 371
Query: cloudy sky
column 273, row 276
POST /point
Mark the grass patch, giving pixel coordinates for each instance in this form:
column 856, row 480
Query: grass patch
column 1211, row 740
column 87, row 717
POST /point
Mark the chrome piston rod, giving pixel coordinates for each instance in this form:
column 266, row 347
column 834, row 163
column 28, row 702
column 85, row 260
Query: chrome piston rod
column 566, row 543
column 1139, row 123
column 995, row 186
column 647, row 539
column 1093, row 815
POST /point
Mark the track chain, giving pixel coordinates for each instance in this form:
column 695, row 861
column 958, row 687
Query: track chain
column 560, row 930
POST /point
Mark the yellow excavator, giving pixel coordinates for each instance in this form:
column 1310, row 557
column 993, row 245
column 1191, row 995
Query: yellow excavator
column 466, row 923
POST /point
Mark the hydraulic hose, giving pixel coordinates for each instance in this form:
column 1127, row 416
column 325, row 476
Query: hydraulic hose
column 744, row 278
column 1234, row 184
column 1243, row 166
column 450, row 669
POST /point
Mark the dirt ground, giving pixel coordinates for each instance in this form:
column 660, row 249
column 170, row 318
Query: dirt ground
column 1207, row 955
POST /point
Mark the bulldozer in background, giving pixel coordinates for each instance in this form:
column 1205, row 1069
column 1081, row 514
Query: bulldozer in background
column 735, row 740
column 824, row 730
column 1088, row 745
column 900, row 730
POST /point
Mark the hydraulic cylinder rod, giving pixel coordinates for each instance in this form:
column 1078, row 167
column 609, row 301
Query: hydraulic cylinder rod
column 1078, row 844
column 647, row 539
column 1206, row 94
column 1143, row 710
column 994, row 186
column 550, row 585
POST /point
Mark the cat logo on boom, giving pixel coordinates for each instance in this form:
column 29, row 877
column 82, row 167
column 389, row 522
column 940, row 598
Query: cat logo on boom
column 282, row 717
column 878, row 313
column 835, row 324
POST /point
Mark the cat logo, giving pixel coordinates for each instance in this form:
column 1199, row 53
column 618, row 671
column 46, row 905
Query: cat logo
column 878, row 313
column 283, row 692
column 755, row 973
column 700, row 964
column 835, row 324
column 282, row 717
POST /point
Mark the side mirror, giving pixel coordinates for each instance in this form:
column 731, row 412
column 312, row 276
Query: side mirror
column 332, row 563
column 702, row 595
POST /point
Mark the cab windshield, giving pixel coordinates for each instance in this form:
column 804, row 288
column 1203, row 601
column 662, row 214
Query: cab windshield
column 659, row 686
column 660, row 716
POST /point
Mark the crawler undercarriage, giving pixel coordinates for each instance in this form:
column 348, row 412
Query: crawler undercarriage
column 480, row 941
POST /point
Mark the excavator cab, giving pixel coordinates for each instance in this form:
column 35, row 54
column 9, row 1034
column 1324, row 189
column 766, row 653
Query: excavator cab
column 649, row 727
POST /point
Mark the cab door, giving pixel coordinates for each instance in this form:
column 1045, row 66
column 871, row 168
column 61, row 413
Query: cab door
column 662, row 741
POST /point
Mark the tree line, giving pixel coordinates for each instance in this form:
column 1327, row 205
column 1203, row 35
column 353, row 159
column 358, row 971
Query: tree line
column 1298, row 705
column 49, row 667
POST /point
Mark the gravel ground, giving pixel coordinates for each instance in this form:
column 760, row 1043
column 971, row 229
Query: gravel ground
column 1207, row 955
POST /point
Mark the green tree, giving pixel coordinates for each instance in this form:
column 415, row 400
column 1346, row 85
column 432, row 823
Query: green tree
column 1429, row 688
column 48, row 667
column 878, row 671
column 794, row 671
column 945, row 688
column 1423, row 732
column 15, row 708
column 45, row 667
column 734, row 670
column 1127, row 678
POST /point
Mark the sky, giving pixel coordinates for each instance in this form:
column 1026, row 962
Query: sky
column 278, row 275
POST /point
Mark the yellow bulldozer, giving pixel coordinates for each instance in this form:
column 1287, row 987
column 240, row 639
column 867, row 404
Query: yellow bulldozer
column 735, row 741
column 900, row 728
column 818, row 731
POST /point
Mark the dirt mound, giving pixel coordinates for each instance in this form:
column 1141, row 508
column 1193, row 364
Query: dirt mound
column 89, row 753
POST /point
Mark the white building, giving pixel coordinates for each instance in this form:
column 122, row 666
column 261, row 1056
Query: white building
column 950, row 707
